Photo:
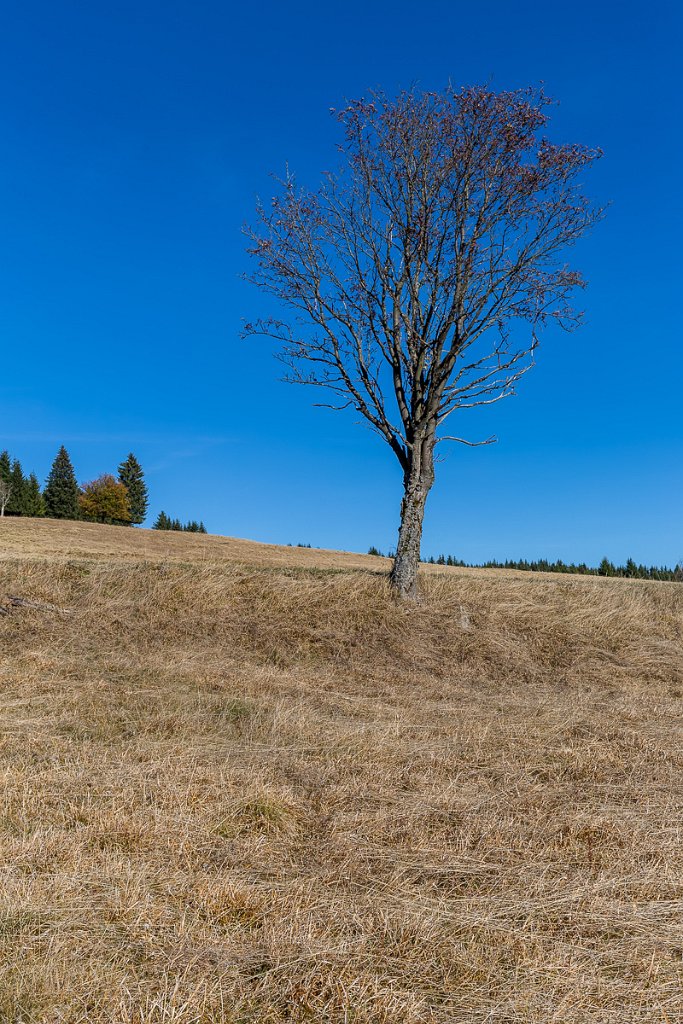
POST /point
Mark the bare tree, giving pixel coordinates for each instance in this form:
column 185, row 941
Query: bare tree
column 5, row 495
column 418, row 275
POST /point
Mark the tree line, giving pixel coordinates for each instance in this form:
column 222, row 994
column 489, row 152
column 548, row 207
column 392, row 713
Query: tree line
column 630, row 570
column 121, row 500
column 164, row 522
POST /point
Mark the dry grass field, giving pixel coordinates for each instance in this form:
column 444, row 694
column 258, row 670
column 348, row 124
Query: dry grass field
column 241, row 784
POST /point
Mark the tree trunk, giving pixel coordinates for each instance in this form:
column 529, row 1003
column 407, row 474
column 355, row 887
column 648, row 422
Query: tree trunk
column 417, row 483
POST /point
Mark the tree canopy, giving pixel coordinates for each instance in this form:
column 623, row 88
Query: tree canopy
column 106, row 500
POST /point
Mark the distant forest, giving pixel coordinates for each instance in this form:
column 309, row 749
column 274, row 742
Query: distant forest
column 630, row 570
column 121, row 500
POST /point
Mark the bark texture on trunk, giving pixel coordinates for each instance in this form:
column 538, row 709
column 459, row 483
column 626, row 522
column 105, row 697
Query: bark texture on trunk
column 417, row 483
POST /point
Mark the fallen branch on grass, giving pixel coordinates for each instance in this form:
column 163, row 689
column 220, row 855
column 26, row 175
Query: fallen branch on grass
column 41, row 606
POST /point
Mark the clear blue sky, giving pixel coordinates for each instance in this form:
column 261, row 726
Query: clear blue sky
column 136, row 136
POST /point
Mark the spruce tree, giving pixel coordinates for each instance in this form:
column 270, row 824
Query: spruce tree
column 16, row 506
column 61, row 491
column 163, row 522
column 34, row 503
column 132, row 477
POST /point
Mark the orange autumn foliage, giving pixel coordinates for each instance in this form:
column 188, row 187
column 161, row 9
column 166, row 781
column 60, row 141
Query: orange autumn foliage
column 105, row 500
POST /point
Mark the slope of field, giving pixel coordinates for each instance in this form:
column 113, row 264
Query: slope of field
column 44, row 538
column 242, row 784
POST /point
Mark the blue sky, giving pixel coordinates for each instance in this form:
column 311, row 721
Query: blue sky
column 136, row 137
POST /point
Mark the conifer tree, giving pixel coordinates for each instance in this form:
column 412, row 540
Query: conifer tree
column 133, row 479
column 33, row 500
column 17, row 502
column 163, row 522
column 61, row 491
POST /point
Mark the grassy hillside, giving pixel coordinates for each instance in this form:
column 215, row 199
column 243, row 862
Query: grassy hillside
column 241, row 784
